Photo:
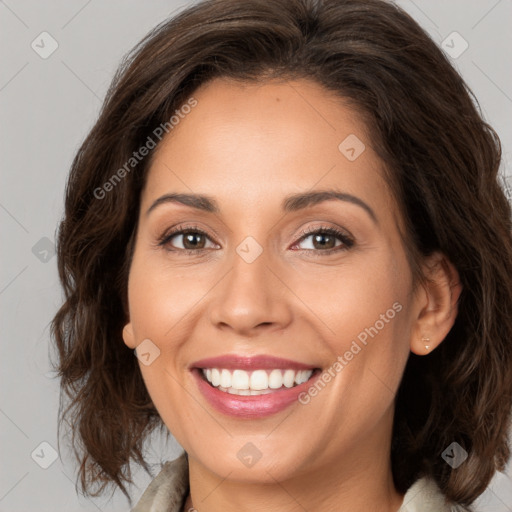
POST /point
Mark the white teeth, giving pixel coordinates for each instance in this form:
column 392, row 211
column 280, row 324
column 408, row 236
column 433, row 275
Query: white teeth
column 275, row 379
column 289, row 378
column 258, row 382
column 225, row 378
column 240, row 380
column 215, row 380
column 302, row 376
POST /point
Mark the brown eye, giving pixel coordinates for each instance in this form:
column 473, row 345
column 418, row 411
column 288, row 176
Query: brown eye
column 323, row 241
column 193, row 240
column 326, row 240
column 188, row 240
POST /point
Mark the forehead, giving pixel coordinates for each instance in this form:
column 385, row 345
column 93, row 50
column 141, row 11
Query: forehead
column 252, row 143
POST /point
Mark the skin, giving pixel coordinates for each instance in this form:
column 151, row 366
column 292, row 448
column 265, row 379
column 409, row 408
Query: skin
column 249, row 146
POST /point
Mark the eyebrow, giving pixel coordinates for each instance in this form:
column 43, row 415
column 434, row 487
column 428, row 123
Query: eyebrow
column 291, row 203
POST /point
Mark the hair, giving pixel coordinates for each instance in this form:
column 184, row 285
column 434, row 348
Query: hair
column 441, row 160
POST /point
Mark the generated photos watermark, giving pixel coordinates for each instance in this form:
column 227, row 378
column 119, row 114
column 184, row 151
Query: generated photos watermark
column 343, row 360
column 144, row 150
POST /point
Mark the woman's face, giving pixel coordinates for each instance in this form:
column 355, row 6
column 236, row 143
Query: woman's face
column 255, row 285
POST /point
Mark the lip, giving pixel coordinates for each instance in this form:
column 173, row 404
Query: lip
column 259, row 362
column 250, row 407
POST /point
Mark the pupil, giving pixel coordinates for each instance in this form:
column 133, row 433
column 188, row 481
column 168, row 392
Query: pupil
column 317, row 237
column 189, row 240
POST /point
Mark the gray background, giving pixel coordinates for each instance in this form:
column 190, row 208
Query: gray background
column 47, row 108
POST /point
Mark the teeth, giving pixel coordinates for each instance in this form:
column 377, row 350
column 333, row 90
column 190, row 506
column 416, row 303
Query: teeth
column 275, row 379
column 225, row 379
column 289, row 378
column 240, row 380
column 258, row 382
column 215, row 380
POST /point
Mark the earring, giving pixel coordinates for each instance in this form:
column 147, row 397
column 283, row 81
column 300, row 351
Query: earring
column 426, row 342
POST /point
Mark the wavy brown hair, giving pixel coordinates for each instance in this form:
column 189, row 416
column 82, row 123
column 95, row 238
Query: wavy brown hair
column 441, row 160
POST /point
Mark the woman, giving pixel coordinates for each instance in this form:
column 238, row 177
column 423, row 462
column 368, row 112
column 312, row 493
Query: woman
column 289, row 211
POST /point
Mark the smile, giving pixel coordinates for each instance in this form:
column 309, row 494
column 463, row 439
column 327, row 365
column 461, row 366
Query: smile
column 252, row 386
column 257, row 382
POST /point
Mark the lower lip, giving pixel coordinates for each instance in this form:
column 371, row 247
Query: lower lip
column 255, row 406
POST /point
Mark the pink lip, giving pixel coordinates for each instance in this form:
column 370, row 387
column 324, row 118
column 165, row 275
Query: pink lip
column 260, row 362
column 250, row 407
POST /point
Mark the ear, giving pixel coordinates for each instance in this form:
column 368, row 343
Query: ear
column 436, row 304
column 129, row 336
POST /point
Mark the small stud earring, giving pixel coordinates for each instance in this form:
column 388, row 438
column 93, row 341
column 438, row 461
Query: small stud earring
column 425, row 342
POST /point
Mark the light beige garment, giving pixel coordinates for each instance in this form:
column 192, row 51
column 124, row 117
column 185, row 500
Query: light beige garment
column 169, row 490
column 425, row 496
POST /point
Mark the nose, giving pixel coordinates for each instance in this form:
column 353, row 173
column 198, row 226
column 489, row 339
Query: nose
column 251, row 298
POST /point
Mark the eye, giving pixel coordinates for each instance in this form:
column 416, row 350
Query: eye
column 193, row 240
column 190, row 240
column 326, row 240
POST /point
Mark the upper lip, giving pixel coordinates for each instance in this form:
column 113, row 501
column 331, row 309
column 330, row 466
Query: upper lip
column 263, row 362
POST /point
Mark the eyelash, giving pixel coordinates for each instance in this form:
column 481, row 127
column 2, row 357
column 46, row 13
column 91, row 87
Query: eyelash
column 347, row 241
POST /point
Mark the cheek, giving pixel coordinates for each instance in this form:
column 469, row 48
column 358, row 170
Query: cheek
column 357, row 300
column 366, row 325
column 159, row 306
column 160, row 299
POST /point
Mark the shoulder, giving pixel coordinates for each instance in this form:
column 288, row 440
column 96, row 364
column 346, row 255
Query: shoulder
column 424, row 496
column 168, row 490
